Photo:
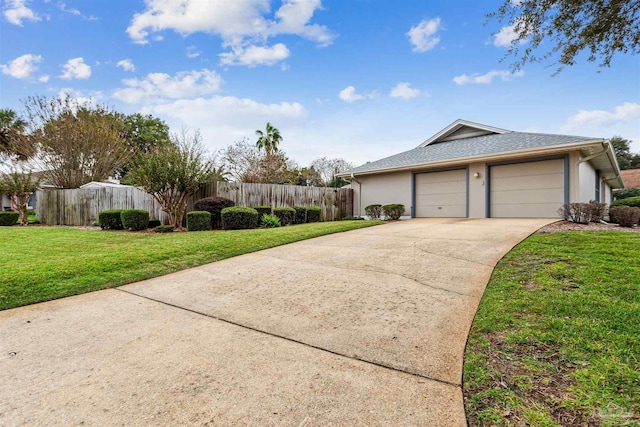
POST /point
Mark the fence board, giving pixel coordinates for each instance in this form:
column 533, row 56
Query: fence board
column 81, row 206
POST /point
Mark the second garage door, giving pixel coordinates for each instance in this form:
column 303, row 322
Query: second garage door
column 527, row 190
column 441, row 194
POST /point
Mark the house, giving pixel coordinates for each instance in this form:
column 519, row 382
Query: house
column 631, row 178
column 478, row 171
column 102, row 184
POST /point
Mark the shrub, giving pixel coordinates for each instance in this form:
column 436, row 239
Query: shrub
column 352, row 218
column 393, row 211
column 373, row 211
column 164, row 229
column 110, row 219
column 625, row 193
column 135, row 219
column 198, row 221
column 214, row 205
column 270, row 221
column 598, row 211
column 626, row 216
column 633, row 202
column 314, row 214
column 286, row 215
column 154, row 222
column 262, row 211
column 239, row 218
column 8, row 218
column 581, row 213
column 300, row 215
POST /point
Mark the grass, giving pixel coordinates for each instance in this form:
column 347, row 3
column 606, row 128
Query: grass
column 556, row 340
column 44, row 263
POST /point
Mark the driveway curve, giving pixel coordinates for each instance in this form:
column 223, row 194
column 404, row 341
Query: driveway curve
column 366, row 327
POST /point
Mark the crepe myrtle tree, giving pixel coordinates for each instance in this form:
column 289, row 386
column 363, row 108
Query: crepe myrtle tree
column 18, row 186
column 171, row 173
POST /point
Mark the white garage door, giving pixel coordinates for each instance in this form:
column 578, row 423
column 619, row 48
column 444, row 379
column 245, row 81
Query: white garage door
column 527, row 190
column 441, row 194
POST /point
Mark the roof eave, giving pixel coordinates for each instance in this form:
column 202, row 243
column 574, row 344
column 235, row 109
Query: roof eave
column 557, row 149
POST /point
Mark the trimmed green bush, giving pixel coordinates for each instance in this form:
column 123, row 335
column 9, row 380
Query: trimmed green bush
column 270, row 221
column 154, row 222
column 164, row 229
column 110, row 219
column 393, row 211
column 214, row 205
column 262, row 210
column 314, row 213
column 300, row 215
column 625, row 216
column 135, row 219
column 352, row 218
column 625, row 193
column 198, row 221
column 287, row 216
column 633, row 202
column 8, row 219
column 373, row 211
column 239, row 218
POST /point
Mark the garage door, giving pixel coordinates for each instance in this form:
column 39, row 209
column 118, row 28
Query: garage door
column 441, row 194
column 527, row 190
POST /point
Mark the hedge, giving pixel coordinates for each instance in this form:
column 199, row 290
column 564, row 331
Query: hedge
column 8, row 219
column 262, row 210
column 286, row 215
column 314, row 213
column 110, row 219
column 164, row 229
column 625, row 193
column 134, row 219
column 154, row 222
column 300, row 215
column 373, row 211
column 393, row 211
column 198, row 221
column 214, row 205
column 239, row 218
column 625, row 216
column 633, row 202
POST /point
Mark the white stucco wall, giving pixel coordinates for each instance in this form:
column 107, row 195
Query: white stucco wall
column 384, row 189
column 587, row 182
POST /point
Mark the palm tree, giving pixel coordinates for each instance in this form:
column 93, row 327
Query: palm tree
column 12, row 138
column 269, row 139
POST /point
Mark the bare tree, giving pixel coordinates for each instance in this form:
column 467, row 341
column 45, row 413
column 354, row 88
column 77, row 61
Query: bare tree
column 77, row 142
column 245, row 162
column 172, row 173
column 329, row 168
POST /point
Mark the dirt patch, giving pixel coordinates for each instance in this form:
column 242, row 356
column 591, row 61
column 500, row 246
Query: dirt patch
column 572, row 226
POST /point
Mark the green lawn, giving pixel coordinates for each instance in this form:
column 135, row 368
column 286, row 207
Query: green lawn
column 44, row 263
column 556, row 340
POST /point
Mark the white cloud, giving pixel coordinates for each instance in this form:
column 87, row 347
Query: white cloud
column 43, row 78
column 76, row 69
column 424, row 36
column 73, row 11
column 349, row 94
column 255, row 55
column 156, row 87
column 487, row 78
column 404, row 90
column 79, row 97
column 223, row 120
column 15, row 11
column 627, row 112
column 505, row 36
column 22, row 67
column 242, row 25
column 192, row 52
column 126, row 64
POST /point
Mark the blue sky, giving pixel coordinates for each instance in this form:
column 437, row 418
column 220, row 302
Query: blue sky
column 357, row 79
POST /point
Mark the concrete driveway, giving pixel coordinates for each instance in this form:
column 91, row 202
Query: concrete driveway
column 366, row 327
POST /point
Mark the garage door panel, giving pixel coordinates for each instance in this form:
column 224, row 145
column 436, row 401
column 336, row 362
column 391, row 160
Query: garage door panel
column 441, row 194
column 532, row 189
column 548, row 181
column 533, row 196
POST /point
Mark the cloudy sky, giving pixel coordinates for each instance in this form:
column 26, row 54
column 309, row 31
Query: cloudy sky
column 357, row 79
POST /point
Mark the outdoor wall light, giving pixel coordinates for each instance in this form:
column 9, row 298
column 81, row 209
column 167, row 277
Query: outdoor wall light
column 476, row 175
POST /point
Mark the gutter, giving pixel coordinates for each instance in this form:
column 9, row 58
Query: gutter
column 485, row 157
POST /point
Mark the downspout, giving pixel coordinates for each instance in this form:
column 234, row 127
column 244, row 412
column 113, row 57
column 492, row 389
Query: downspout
column 353, row 178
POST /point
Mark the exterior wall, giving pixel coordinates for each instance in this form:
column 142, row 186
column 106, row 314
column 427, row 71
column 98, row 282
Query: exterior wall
column 385, row 189
column 587, row 182
column 607, row 194
column 477, row 190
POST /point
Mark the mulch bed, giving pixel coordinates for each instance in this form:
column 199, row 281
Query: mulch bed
column 572, row 226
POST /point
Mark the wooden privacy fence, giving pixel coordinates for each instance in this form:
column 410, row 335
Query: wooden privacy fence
column 81, row 206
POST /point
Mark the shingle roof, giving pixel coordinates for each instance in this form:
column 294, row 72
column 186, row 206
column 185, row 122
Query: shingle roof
column 469, row 147
column 631, row 178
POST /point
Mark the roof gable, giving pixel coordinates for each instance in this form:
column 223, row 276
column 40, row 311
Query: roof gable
column 461, row 129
